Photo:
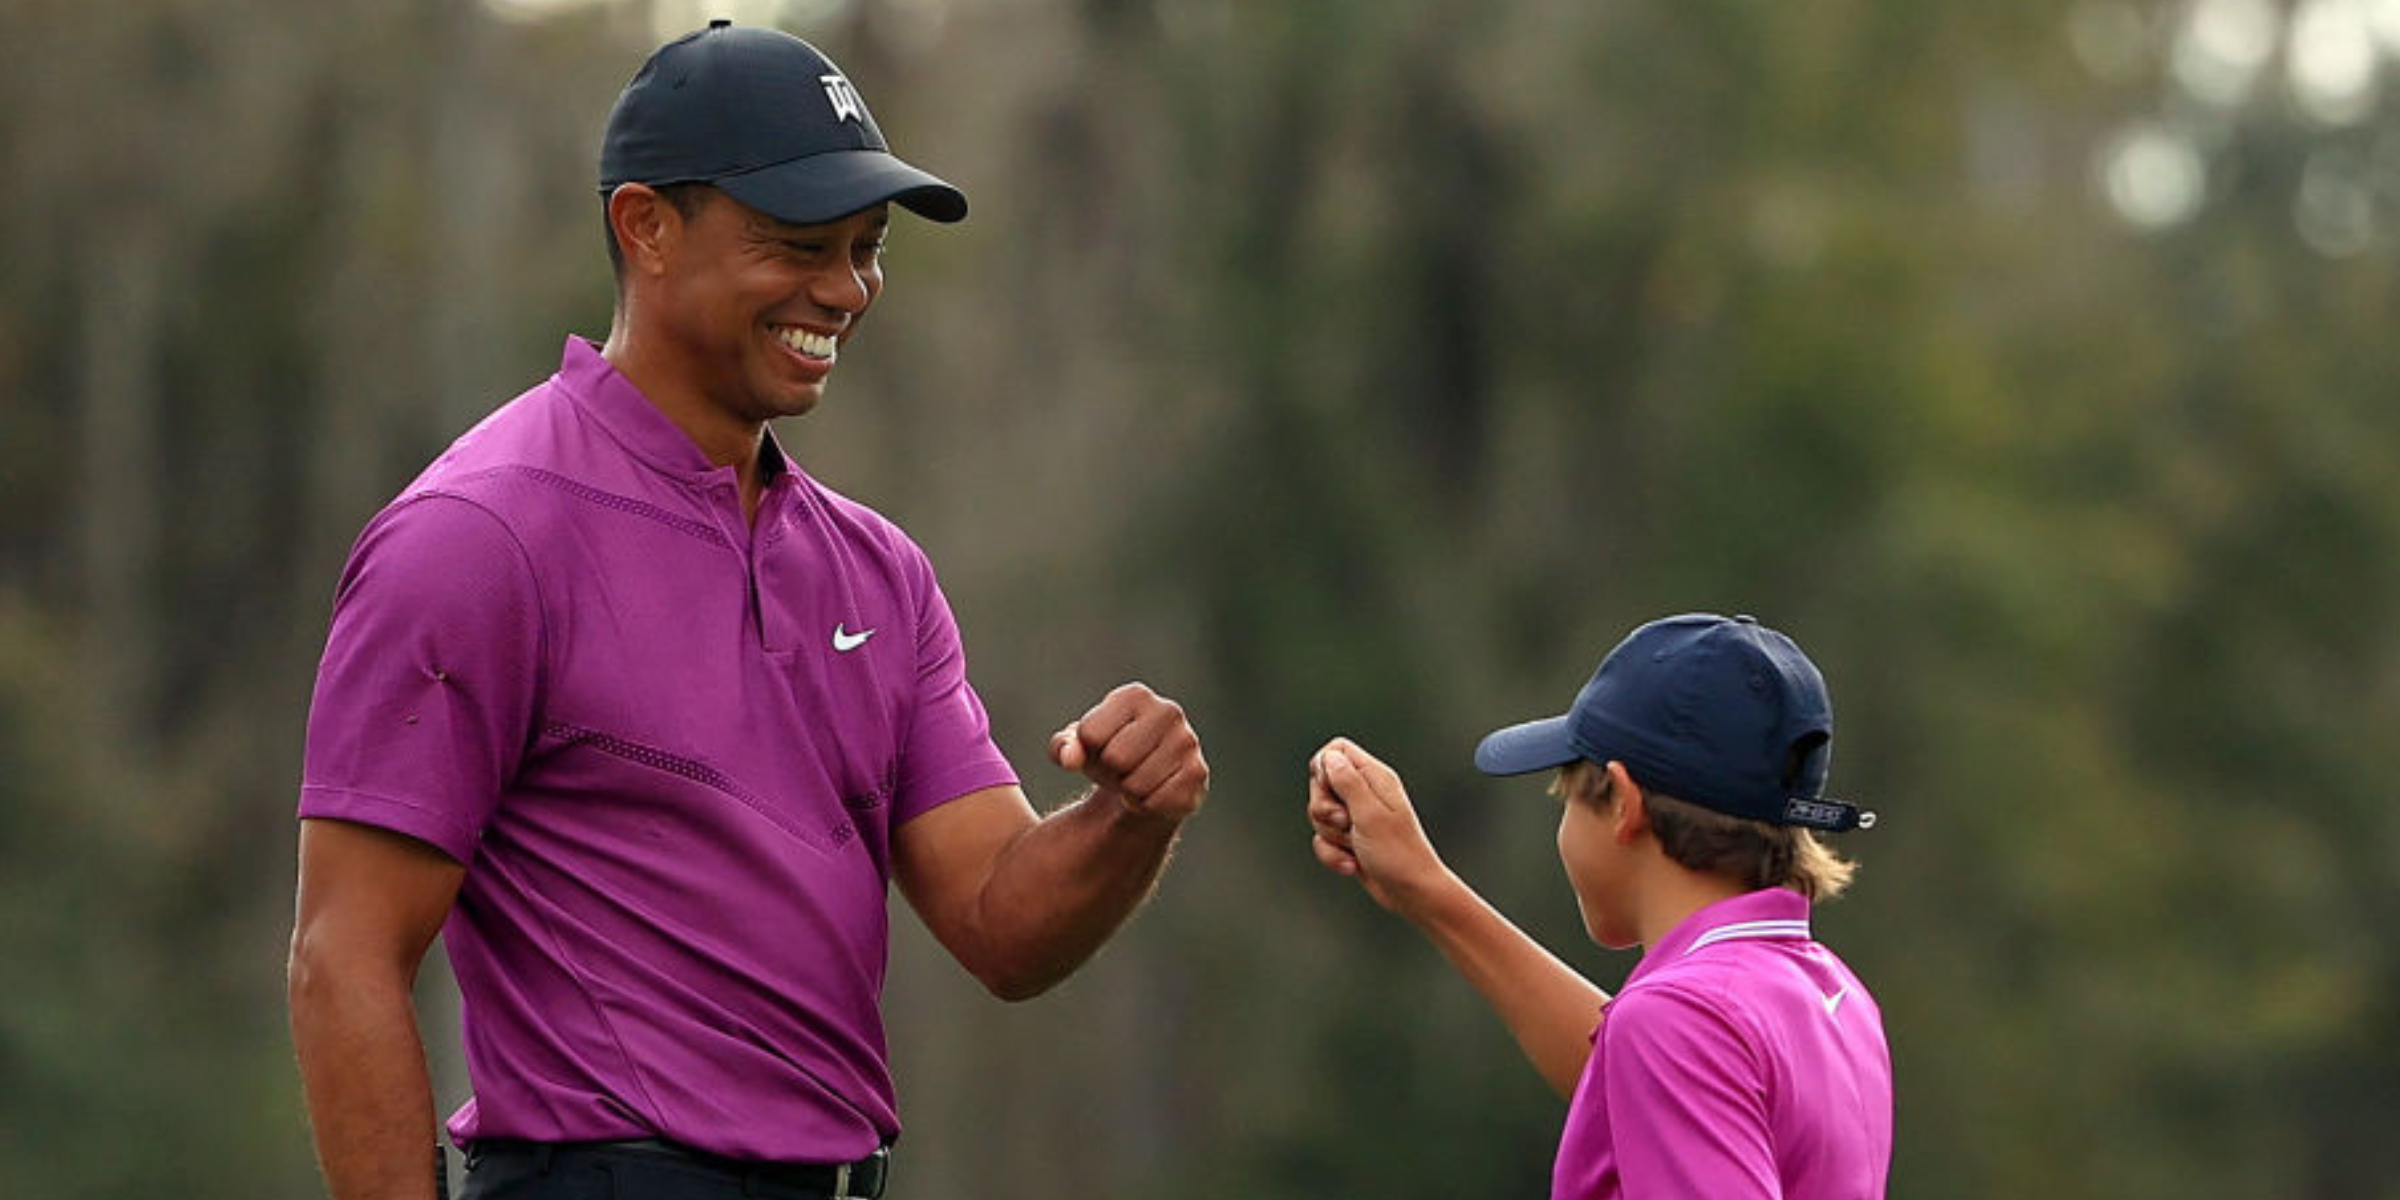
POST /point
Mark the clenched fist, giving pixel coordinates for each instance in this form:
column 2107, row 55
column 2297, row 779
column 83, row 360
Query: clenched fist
column 1137, row 747
column 1366, row 829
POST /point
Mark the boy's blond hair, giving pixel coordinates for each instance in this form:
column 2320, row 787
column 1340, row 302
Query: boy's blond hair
column 1758, row 854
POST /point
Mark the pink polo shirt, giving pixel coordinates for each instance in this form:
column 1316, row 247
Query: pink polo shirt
column 1742, row 1059
column 671, row 747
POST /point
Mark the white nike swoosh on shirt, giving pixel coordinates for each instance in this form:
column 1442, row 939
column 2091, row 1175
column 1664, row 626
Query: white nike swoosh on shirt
column 1834, row 1001
column 847, row 642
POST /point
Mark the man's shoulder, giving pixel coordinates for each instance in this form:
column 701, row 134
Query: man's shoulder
column 522, row 431
column 528, row 457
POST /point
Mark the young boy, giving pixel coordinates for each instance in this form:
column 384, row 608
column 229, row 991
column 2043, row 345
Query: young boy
column 1741, row 1058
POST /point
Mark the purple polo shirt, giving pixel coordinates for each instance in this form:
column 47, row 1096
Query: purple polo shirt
column 671, row 748
column 1742, row 1059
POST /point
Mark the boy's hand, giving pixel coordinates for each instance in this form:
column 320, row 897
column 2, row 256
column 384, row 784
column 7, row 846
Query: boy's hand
column 1366, row 828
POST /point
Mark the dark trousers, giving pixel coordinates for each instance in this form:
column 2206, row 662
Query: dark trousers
column 616, row 1172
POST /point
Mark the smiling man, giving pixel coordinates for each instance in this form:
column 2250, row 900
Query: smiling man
column 644, row 721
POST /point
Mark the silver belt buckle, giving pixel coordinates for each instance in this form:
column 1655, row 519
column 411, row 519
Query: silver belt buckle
column 841, row 1181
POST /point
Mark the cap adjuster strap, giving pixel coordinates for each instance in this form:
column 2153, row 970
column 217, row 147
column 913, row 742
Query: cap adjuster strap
column 1832, row 816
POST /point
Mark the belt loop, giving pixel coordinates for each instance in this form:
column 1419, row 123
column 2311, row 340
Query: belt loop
column 841, row 1181
column 541, row 1157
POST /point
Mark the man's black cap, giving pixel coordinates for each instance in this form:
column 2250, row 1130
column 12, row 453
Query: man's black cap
column 767, row 119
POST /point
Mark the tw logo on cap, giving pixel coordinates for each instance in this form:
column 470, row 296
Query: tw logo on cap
column 846, row 104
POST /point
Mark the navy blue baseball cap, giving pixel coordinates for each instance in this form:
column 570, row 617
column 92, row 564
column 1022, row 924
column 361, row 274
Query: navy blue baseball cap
column 1720, row 711
column 768, row 120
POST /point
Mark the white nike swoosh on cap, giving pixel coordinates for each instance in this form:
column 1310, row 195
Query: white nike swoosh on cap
column 847, row 642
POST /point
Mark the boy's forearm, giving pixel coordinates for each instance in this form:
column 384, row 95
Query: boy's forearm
column 1546, row 1004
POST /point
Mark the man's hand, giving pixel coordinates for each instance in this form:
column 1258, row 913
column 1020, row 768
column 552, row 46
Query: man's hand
column 1021, row 900
column 1366, row 828
column 1139, row 750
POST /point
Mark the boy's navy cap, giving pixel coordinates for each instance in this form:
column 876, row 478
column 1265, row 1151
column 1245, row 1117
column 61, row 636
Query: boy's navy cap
column 1721, row 711
column 767, row 119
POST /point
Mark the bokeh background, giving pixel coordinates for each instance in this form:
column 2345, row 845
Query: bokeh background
column 1359, row 366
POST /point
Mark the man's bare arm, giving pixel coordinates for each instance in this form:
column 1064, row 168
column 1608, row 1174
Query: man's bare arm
column 370, row 904
column 1022, row 901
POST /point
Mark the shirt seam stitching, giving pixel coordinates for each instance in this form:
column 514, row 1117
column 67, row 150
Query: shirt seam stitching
column 473, row 838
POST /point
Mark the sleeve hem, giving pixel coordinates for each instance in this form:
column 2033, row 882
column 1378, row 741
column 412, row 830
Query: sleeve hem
column 405, row 817
column 924, row 795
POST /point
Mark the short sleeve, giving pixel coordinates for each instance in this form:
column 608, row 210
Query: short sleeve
column 948, row 750
column 1687, row 1100
column 425, row 696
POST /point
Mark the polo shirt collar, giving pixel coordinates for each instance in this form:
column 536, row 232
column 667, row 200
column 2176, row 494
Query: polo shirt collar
column 1773, row 914
column 644, row 431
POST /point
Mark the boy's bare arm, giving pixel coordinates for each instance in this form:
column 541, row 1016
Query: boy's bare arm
column 1367, row 829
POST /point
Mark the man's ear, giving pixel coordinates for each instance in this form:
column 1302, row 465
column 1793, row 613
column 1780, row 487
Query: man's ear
column 1629, row 815
column 646, row 225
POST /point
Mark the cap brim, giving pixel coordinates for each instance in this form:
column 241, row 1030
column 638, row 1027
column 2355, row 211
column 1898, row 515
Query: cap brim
column 830, row 186
column 1532, row 746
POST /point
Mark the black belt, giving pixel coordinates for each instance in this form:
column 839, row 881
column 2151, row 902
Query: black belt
column 861, row 1180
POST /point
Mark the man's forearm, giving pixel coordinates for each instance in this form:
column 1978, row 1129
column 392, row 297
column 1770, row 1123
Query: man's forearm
column 370, row 1099
column 1546, row 1004
column 1064, row 885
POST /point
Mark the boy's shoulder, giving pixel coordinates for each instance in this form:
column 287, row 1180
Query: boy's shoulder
column 1705, row 987
column 1749, row 964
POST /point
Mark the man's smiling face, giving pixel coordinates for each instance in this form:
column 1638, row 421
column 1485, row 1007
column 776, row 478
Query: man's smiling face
column 760, row 308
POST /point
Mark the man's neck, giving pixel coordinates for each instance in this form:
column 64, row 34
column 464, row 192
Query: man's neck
column 725, row 440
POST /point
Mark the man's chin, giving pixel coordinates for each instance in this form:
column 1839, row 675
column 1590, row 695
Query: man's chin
column 789, row 401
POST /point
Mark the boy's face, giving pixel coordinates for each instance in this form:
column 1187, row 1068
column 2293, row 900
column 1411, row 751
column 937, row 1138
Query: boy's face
column 1597, row 862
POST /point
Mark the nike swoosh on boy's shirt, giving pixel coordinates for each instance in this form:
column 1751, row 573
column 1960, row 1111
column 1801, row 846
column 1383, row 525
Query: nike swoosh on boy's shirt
column 1834, row 1001
column 847, row 642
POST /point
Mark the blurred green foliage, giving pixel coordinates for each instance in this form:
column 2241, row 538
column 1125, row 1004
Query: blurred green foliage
column 1344, row 367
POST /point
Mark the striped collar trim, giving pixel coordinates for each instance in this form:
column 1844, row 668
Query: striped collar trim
column 1796, row 929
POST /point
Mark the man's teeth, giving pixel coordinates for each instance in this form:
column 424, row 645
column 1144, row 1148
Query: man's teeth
column 814, row 345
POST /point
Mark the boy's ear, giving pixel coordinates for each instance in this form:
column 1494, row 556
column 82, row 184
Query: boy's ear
column 1630, row 813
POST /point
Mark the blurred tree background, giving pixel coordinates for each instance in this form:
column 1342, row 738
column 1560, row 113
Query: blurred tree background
column 1360, row 366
